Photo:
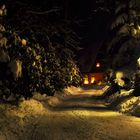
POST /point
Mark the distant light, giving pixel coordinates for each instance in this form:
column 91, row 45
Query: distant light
column 98, row 65
column 86, row 82
column 92, row 80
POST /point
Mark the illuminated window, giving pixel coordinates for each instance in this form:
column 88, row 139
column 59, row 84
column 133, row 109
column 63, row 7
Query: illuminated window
column 92, row 80
column 86, row 81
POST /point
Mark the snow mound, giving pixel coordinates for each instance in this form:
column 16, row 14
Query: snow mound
column 30, row 107
column 89, row 90
column 40, row 97
column 16, row 122
column 125, row 102
column 54, row 101
column 116, row 98
column 72, row 89
column 127, row 106
column 136, row 110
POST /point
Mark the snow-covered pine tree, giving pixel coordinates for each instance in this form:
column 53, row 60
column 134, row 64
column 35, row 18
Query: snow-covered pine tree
column 32, row 64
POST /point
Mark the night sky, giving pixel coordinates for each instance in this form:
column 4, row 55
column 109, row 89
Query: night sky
column 95, row 25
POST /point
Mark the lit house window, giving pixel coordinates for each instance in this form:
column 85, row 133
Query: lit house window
column 92, row 80
column 86, row 81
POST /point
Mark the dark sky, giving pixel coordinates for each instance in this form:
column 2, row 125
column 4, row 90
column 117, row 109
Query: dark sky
column 96, row 23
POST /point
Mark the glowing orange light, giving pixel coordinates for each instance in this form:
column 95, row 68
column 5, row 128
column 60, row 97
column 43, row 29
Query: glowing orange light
column 98, row 65
column 86, row 82
column 92, row 80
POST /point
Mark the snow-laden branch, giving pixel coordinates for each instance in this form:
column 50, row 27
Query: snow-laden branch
column 44, row 12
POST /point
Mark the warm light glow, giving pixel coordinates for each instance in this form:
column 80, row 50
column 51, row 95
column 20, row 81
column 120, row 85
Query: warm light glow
column 23, row 42
column 98, row 65
column 119, row 75
column 92, row 80
column 138, row 61
column 86, row 82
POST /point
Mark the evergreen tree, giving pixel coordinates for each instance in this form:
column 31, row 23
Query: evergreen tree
column 34, row 64
column 126, row 32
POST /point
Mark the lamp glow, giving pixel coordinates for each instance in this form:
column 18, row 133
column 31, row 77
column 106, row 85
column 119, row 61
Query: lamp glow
column 98, row 65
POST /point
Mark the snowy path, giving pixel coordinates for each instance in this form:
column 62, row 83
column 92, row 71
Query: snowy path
column 76, row 119
column 68, row 120
column 86, row 124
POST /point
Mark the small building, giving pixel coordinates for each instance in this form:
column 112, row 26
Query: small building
column 95, row 76
column 93, row 63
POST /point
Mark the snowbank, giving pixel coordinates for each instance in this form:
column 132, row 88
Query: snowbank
column 91, row 90
column 125, row 102
column 72, row 90
column 17, row 121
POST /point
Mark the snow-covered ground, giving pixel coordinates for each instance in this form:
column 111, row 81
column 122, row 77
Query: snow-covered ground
column 125, row 102
column 78, row 117
column 89, row 90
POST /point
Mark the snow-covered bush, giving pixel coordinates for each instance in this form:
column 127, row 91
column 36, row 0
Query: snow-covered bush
column 118, row 100
column 125, row 103
column 28, row 66
column 136, row 109
column 128, row 105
